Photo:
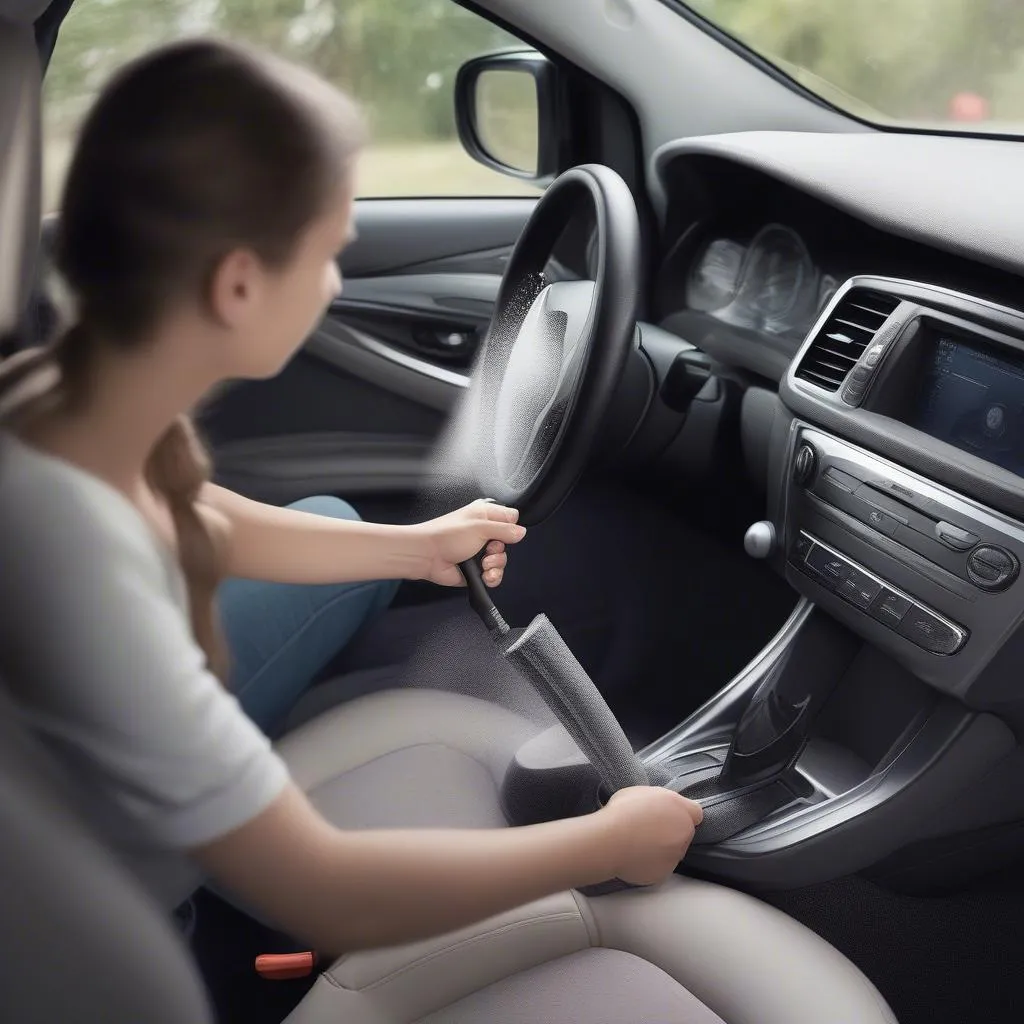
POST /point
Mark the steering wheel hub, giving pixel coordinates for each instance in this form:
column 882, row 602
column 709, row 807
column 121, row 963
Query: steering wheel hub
column 555, row 350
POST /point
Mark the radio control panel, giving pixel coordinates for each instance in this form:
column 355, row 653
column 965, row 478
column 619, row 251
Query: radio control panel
column 927, row 574
column 877, row 598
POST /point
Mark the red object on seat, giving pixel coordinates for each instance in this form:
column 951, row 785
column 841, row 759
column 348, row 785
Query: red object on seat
column 285, row 966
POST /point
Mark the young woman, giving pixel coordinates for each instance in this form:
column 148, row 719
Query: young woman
column 209, row 196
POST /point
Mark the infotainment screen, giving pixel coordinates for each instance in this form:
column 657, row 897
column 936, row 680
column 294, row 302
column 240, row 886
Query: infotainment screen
column 972, row 396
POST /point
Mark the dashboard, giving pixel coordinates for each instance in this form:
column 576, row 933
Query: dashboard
column 869, row 296
column 759, row 237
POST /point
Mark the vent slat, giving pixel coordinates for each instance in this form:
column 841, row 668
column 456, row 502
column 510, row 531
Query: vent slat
column 824, row 350
column 856, row 326
column 817, row 378
column 836, row 367
column 845, row 337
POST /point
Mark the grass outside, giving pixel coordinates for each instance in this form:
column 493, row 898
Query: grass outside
column 385, row 171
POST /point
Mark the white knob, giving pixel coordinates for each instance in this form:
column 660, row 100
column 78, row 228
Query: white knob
column 759, row 541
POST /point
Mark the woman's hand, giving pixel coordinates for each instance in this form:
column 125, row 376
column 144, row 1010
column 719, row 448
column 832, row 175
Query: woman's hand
column 460, row 535
column 651, row 830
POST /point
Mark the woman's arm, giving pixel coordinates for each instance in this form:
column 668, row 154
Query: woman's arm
column 288, row 546
column 343, row 891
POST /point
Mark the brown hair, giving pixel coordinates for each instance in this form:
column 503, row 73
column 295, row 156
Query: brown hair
column 192, row 151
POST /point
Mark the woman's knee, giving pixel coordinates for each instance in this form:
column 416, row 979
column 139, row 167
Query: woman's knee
column 327, row 505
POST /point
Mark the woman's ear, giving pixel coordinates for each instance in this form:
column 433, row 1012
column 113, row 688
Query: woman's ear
column 235, row 288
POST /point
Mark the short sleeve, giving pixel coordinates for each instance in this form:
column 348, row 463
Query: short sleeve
column 111, row 677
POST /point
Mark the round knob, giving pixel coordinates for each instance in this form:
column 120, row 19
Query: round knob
column 805, row 464
column 992, row 568
column 759, row 541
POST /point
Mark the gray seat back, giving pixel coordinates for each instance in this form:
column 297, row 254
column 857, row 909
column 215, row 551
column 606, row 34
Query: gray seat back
column 79, row 941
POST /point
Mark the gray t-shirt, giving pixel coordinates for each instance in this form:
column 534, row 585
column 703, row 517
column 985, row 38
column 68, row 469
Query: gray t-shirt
column 96, row 647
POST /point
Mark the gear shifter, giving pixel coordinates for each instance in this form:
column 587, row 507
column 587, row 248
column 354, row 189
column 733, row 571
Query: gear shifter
column 539, row 653
column 775, row 726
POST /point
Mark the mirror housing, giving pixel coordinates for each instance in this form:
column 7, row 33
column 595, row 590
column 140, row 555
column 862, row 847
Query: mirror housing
column 506, row 110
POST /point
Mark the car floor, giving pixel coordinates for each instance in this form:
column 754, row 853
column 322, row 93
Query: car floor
column 952, row 958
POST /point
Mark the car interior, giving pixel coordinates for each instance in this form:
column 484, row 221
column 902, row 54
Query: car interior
column 774, row 474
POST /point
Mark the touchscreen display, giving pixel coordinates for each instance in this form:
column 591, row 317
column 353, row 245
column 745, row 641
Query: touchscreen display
column 972, row 396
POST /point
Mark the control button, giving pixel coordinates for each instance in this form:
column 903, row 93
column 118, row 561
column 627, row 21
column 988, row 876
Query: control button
column 832, row 567
column 805, row 464
column 853, row 393
column 858, row 588
column 954, row 537
column 861, row 375
column 874, row 354
column 879, row 520
column 876, row 499
column 992, row 568
column 930, row 632
column 890, row 608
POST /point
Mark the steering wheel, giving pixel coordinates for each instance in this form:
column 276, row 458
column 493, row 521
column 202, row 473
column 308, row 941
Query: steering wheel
column 555, row 351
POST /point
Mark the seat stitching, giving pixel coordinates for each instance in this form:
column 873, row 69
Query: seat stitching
column 589, row 920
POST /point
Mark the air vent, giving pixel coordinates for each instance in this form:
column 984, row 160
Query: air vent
column 847, row 333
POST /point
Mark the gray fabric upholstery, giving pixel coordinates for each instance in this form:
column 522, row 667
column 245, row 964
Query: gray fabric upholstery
column 437, row 758
column 424, row 786
column 79, row 942
column 599, row 986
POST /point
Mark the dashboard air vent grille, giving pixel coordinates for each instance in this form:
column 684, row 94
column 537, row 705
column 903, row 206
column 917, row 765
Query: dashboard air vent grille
column 849, row 330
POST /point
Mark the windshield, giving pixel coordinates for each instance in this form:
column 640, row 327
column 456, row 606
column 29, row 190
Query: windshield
column 951, row 65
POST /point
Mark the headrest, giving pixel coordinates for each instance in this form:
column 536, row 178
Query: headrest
column 20, row 164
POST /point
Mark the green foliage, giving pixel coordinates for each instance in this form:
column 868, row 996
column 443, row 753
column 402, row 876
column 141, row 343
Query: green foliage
column 898, row 60
column 399, row 57
column 901, row 59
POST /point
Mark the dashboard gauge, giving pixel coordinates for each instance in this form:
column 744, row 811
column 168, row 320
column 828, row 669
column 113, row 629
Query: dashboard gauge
column 714, row 277
column 778, row 284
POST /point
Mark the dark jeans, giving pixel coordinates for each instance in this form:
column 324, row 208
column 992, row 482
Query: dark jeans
column 281, row 635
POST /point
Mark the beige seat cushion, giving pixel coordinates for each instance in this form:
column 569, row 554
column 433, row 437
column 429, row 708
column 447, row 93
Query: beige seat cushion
column 685, row 951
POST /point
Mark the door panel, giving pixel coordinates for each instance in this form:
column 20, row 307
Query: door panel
column 437, row 318
column 357, row 412
column 418, row 235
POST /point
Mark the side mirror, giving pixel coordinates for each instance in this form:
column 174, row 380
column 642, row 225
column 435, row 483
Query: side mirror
column 506, row 107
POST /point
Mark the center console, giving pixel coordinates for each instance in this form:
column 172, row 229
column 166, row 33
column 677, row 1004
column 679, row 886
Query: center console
column 895, row 453
column 896, row 492
column 887, row 709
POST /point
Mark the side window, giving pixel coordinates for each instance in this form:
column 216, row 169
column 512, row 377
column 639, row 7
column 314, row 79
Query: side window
column 399, row 58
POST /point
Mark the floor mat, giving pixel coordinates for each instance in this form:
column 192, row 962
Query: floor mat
column 225, row 943
column 952, row 959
